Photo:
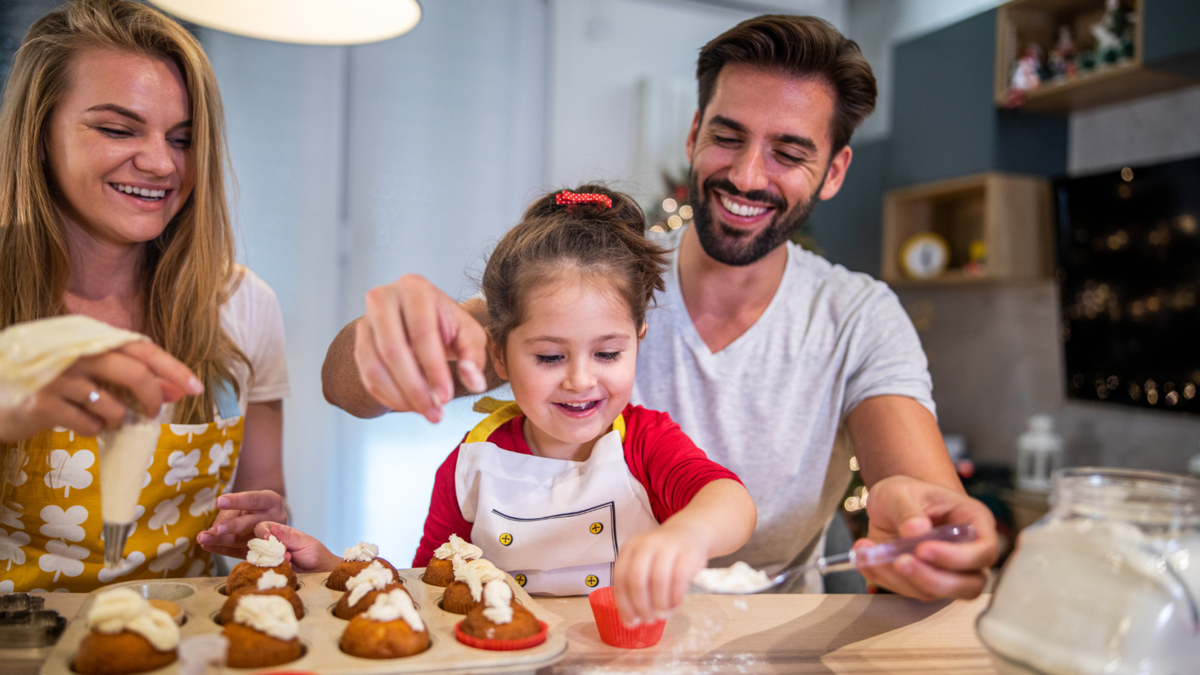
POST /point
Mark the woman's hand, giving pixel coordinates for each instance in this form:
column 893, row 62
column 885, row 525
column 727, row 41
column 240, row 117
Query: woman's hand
column 654, row 569
column 240, row 513
column 304, row 551
column 77, row 401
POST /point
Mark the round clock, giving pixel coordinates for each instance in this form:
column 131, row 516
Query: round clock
column 924, row 256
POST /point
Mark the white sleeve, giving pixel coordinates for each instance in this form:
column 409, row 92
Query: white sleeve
column 885, row 355
column 253, row 319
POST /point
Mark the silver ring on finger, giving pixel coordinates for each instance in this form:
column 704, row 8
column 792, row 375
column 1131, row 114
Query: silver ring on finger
column 93, row 396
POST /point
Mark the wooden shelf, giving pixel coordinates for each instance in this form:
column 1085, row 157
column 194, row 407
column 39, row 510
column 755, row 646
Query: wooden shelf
column 1023, row 22
column 1009, row 213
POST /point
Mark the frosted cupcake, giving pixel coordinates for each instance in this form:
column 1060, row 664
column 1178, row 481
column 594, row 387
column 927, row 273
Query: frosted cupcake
column 354, row 560
column 264, row 633
column 499, row 623
column 389, row 629
column 364, row 587
column 440, row 571
column 264, row 554
column 270, row 583
column 466, row 591
column 128, row 635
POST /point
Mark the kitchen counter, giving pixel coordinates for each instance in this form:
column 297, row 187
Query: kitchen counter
column 842, row 634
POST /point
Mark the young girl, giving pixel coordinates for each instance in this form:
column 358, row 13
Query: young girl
column 553, row 485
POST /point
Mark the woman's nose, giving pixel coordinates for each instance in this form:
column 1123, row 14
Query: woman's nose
column 155, row 157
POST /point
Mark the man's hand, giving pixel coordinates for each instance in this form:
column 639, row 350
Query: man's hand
column 304, row 551
column 900, row 506
column 403, row 346
column 147, row 372
column 240, row 514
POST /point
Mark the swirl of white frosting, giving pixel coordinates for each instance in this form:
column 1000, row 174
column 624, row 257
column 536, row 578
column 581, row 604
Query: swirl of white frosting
column 395, row 605
column 361, row 552
column 476, row 573
column 269, row 614
column 375, row 577
column 497, row 600
column 271, row 579
column 457, row 547
column 124, row 609
column 266, row 552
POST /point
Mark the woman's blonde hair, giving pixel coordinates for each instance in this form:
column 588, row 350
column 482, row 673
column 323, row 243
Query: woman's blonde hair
column 188, row 271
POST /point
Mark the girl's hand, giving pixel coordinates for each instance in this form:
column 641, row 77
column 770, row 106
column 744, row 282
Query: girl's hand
column 149, row 373
column 304, row 551
column 654, row 569
column 240, row 513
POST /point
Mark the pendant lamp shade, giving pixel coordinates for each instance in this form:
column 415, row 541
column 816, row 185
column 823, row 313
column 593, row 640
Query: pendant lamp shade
column 313, row 22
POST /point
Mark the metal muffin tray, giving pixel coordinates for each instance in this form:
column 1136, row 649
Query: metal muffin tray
column 320, row 631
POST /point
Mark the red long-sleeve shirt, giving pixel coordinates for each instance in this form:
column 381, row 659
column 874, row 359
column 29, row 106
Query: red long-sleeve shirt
column 659, row 455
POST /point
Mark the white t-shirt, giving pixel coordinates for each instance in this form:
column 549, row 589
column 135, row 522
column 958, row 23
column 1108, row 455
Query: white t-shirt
column 769, row 406
column 253, row 321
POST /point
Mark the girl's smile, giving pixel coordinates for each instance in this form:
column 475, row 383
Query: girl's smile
column 571, row 364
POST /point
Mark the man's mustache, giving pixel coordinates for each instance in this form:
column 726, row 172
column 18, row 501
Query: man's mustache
column 761, row 196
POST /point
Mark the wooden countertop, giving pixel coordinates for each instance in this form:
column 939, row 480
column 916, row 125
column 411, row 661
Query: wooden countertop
column 842, row 634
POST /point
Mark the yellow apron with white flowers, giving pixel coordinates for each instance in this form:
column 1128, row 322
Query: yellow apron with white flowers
column 50, row 526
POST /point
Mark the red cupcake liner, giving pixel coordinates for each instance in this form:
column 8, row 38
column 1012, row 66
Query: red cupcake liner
column 503, row 645
column 617, row 634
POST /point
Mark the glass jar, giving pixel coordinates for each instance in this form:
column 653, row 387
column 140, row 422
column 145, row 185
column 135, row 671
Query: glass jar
column 1107, row 583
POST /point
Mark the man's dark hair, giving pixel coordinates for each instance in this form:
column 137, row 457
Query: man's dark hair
column 804, row 46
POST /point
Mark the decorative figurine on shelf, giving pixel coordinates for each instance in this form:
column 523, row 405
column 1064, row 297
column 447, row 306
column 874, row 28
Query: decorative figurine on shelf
column 1025, row 76
column 1114, row 34
column 1062, row 57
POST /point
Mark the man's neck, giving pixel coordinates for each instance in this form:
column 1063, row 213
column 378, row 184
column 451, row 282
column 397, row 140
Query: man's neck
column 103, row 282
column 724, row 301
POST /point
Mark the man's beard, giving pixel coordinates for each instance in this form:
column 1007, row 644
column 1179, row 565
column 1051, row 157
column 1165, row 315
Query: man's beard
column 734, row 247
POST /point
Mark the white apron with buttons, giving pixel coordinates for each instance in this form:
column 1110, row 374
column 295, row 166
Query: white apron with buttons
column 554, row 525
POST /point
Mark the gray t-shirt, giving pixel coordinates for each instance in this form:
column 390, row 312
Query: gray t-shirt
column 770, row 405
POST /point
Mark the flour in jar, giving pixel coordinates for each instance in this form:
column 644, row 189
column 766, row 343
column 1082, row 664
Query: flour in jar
column 1088, row 595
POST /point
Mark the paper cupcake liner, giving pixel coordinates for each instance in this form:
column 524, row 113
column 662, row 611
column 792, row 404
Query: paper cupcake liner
column 617, row 634
column 502, row 645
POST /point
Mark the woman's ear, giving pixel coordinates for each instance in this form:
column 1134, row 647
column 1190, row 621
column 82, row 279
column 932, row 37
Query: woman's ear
column 497, row 356
column 642, row 332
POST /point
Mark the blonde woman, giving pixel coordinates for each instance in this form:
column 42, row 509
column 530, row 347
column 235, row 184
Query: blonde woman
column 112, row 205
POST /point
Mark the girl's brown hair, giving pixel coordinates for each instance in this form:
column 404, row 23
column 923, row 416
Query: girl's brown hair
column 593, row 241
column 188, row 271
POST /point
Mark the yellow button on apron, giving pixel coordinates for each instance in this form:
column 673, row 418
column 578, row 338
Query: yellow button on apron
column 505, row 539
column 591, row 581
column 520, row 579
column 596, row 528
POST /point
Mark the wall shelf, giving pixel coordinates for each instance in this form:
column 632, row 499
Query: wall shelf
column 1023, row 22
column 1009, row 213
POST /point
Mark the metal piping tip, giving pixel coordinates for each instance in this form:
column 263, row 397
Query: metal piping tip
column 115, row 535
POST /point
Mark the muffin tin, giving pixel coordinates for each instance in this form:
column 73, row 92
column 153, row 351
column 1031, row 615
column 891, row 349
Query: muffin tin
column 320, row 631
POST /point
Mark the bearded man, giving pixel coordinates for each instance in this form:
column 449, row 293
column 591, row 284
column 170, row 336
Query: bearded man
column 763, row 353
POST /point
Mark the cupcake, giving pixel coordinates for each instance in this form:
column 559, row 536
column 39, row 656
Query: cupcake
column 466, row 591
column 128, row 635
column 440, row 571
column 265, row 554
column 270, row 583
column 389, row 629
column 263, row 633
column 365, row 587
column 354, row 560
column 498, row 623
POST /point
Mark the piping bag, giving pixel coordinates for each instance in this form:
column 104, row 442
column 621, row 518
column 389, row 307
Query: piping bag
column 33, row 354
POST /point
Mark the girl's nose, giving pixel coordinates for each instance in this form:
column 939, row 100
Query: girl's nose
column 579, row 377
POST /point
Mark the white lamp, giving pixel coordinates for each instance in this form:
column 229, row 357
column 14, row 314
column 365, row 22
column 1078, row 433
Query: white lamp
column 313, row 22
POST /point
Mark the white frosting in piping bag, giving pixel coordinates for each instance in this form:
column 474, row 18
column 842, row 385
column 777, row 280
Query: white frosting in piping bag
column 266, row 552
column 375, row 577
column 124, row 455
column 271, row 579
column 361, row 552
column 124, row 609
column 476, row 573
column 497, row 600
column 395, row 605
column 457, row 547
column 269, row 614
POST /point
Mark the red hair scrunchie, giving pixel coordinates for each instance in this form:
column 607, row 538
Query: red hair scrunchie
column 566, row 198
